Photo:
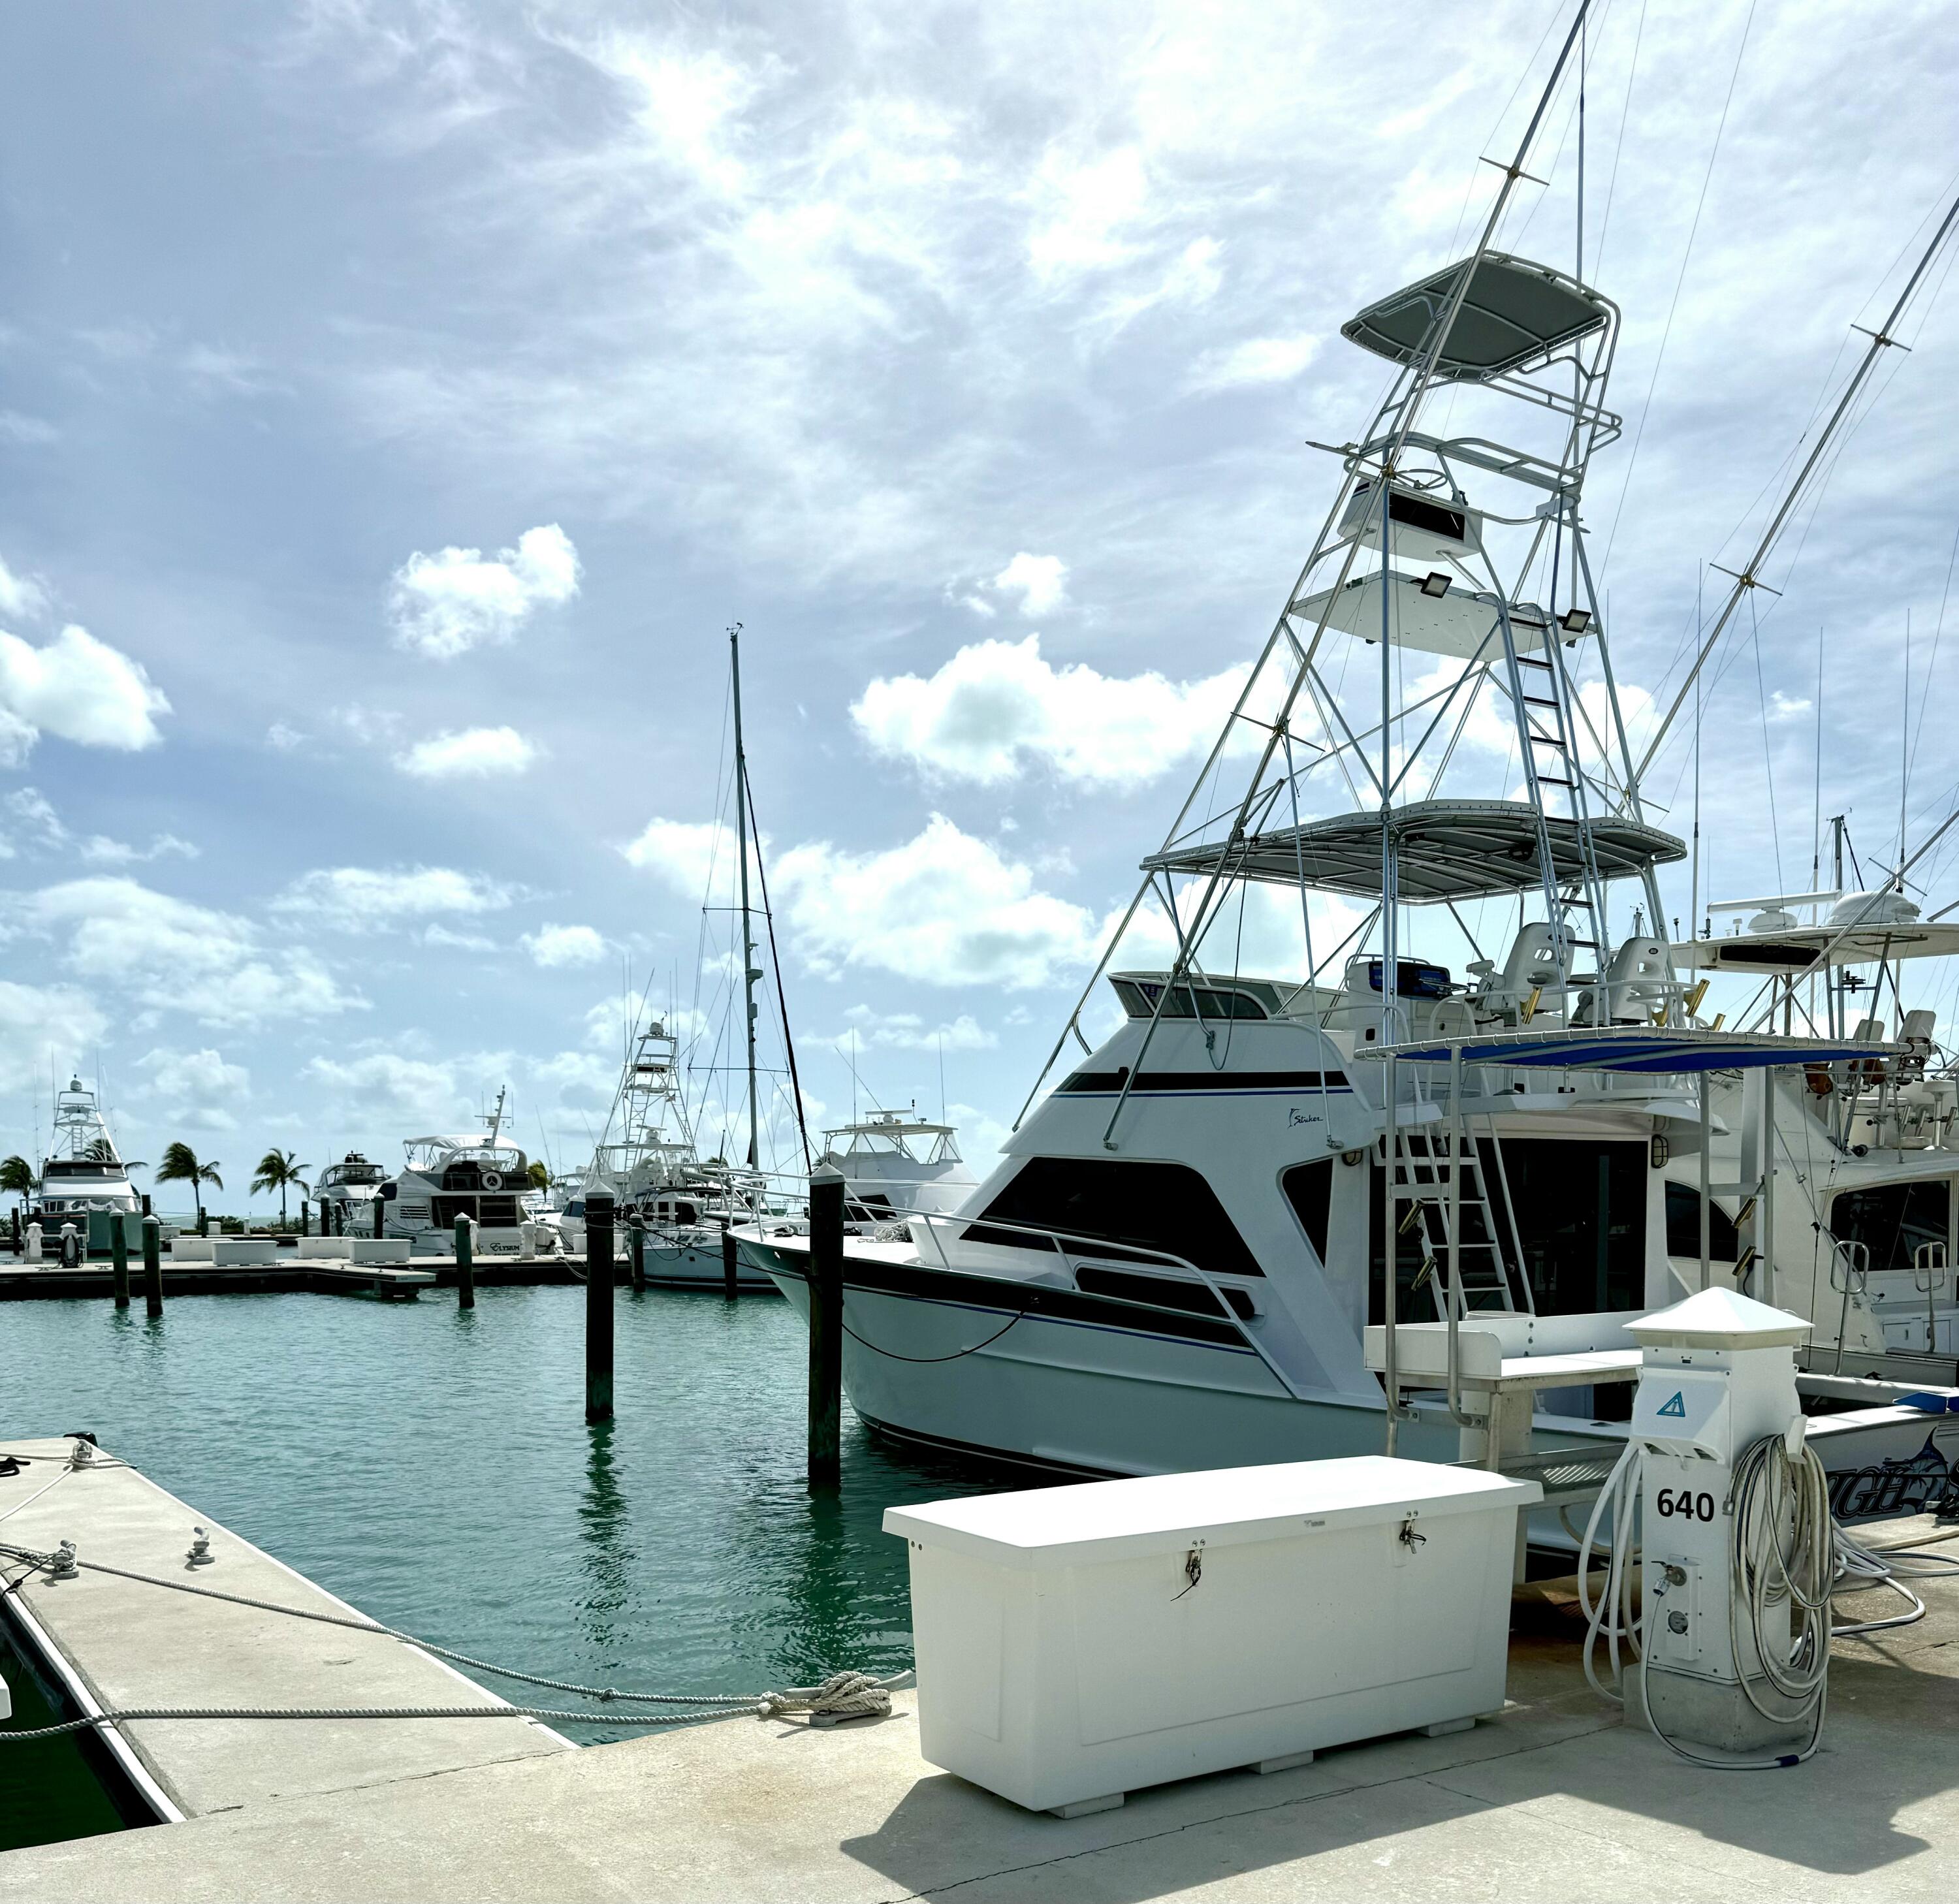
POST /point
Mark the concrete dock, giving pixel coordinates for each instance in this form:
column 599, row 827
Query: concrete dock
column 1555, row 1799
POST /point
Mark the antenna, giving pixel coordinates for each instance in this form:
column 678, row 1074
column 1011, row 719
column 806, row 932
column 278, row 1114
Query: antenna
column 1751, row 570
column 749, row 972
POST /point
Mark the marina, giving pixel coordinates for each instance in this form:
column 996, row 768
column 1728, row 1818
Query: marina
column 1550, row 1795
column 1419, row 1354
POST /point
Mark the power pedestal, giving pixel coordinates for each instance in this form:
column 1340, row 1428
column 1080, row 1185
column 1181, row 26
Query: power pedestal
column 1718, row 1375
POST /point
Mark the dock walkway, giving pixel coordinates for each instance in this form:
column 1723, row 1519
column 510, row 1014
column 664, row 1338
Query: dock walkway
column 1554, row 1800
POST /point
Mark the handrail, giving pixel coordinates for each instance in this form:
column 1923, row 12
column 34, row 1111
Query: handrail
column 1057, row 1237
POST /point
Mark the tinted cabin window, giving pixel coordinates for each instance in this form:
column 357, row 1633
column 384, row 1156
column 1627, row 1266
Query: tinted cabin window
column 1893, row 1221
column 1309, row 1189
column 1164, row 1207
column 1581, row 1227
column 1683, row 1227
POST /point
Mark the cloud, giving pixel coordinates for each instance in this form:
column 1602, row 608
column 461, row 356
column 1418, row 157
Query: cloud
column 34, row 820
column 1040, row 581
column 1257, row 360
column 996, row 704
column 473, row 753
column 444, row 605
column 563, row 945
column 44, row 1028
column 283, row 737
column 196, row 1089
column 169, row 955
column 361, row 899
column 906, row 1031
column 21, row 596
column 77, row 689
column 387, row 1089
column 685, row 854
column 945, row 908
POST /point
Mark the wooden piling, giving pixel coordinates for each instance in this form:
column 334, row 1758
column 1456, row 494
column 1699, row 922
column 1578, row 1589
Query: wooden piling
column 380, row 1213
column 825, row 1324
column 465, row 1265
column 636, row 1247
column 598, row 1273
column 730, row 1259
column 119, row 1259
column 152, row 1268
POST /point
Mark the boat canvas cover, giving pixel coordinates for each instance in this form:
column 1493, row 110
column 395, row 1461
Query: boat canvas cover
column 1445, row 849
column 1516, row 313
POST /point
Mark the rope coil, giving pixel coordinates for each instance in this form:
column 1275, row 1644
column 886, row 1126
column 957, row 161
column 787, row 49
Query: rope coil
column 850, row 1696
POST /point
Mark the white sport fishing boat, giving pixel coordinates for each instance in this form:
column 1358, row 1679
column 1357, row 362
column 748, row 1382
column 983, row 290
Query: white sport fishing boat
column 647, row 1163
column 1179, row 1263
column 84, row 1181
column 894, row 1163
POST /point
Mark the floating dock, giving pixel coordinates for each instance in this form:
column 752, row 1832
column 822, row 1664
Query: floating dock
column 1553, row 1799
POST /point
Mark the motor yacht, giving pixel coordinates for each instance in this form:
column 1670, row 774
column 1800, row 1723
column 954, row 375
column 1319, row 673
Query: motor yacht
column 1256, row 1222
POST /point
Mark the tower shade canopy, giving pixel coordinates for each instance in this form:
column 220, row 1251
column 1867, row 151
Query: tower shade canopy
column 1515, row 314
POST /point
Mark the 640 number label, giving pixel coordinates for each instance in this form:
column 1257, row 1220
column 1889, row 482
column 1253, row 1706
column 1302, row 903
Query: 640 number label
column 1676, row 1502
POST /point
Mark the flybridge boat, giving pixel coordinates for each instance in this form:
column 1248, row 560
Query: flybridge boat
column 894, row 1164
column 83, row 1180
column 481, row 1177
column 346, row 1193
column 1860, row 1193
column 651, row 1170
column 1183, row 1261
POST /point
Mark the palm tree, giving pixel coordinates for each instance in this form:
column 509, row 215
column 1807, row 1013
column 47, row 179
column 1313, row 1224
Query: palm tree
column 181, row 1164
column 16, row 1177
column 539, row 1177
column 276, row 1171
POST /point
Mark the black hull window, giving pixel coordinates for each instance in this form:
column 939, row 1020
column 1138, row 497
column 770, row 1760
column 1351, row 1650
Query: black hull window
column 1309, row 1189
column 1893, row 1221
column 1581, row 1229
column 1683, row 1227
column 1123, row 1208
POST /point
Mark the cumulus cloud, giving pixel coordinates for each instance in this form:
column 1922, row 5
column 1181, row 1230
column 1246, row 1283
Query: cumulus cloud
column 1257, row 360
column 21, row 596
column 44, row 1028
column 472, row 754
column 562, row 945
column 685, row 854
column 358, row 899
column 996, row 704
column 907, row 1031
column 169, row 955
column 1040, row 581
column 387, row 1089
column 444, row 605
column 78, row 689
column 194, row 1089
column 944, row 908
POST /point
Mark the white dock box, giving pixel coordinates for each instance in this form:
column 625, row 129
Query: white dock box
column 1075, row 1643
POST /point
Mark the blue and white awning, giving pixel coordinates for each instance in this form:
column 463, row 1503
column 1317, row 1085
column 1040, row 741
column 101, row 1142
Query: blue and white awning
column 1633, row 1049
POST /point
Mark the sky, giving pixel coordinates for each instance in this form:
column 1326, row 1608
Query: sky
column 399, row 402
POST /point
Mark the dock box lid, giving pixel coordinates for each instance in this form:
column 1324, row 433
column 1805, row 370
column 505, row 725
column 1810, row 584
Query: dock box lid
column 1063, row 1527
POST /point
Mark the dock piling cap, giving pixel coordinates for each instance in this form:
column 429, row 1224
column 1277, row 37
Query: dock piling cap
column 1718, row 1319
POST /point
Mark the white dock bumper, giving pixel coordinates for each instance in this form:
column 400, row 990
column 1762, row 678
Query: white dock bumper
column 1075, row 1643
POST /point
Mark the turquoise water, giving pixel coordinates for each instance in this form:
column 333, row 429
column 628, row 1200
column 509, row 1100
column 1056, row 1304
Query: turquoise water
column 434, row 1467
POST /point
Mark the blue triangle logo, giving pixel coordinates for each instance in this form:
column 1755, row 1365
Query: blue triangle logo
column 1677, row 1407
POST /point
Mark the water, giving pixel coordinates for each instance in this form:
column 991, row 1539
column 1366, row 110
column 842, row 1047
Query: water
column 434, row 1467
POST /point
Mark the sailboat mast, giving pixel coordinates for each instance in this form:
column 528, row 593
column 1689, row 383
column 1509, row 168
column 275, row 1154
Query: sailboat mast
column 749, row 973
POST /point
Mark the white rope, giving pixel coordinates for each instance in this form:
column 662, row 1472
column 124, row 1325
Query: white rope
column 843, row 1695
